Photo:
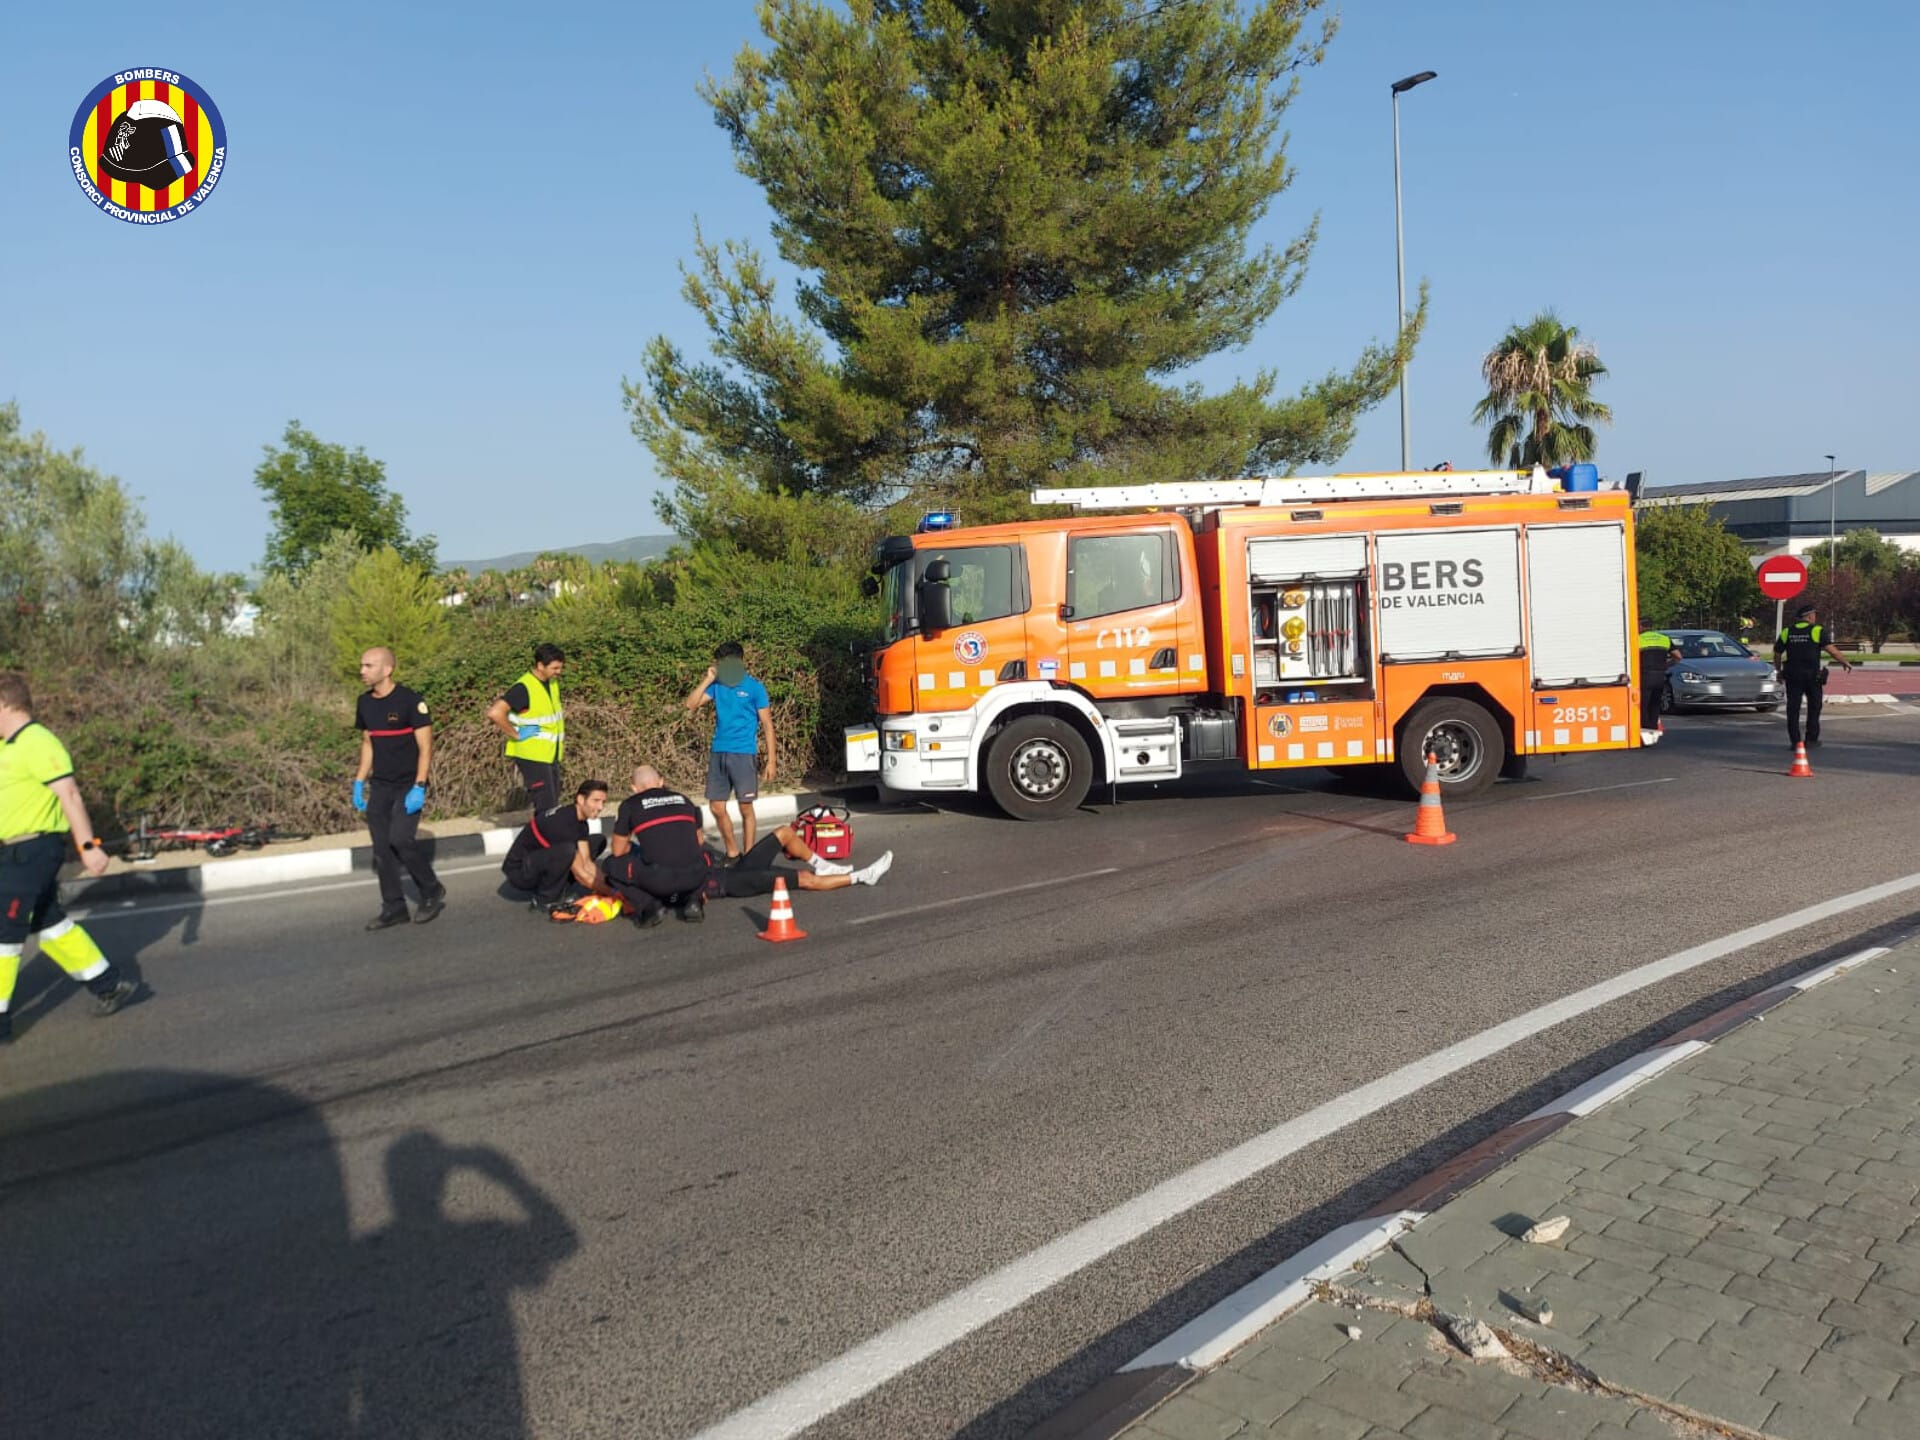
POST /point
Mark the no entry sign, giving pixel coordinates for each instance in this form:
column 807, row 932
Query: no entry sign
column 1782, row 577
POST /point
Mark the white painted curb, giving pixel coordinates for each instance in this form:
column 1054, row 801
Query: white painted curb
column 268, row 870
column 1827, row 972
column 1212, row 1336
column 1610, row 1085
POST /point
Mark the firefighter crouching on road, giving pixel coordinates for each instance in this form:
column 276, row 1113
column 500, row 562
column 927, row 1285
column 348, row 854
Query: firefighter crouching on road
column 530, row 715
column 556, row 846
column 40, row 812
column 1797, row 651
column 1656, row 651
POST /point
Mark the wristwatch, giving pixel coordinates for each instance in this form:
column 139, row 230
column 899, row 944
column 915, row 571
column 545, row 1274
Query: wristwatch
column 93, row 844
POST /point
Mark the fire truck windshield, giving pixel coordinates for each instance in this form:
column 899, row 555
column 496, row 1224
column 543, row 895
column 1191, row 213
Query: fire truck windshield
column 986, row 582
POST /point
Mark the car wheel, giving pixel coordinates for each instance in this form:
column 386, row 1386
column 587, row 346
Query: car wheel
column 1465, row 740
column 1039, row 768
column 1667, row 705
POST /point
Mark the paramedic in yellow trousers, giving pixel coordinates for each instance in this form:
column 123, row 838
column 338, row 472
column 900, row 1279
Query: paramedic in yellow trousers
column 40, row 813
column 534, row 722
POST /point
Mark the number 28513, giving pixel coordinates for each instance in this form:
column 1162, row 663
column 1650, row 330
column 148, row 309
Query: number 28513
column 1582, row 714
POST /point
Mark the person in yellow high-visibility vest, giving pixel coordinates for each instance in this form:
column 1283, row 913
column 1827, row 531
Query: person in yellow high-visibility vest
column 41, row 818
column 530, row 715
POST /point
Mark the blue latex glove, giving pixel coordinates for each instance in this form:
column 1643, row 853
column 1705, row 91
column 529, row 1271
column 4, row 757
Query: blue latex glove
column 529, row 732
column 416, row 799
column 360, row 796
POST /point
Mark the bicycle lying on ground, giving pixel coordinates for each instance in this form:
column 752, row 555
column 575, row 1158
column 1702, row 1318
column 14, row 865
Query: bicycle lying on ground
column 143, row 842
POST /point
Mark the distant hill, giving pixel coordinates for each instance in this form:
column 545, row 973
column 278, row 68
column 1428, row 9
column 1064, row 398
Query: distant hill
column 637, row 547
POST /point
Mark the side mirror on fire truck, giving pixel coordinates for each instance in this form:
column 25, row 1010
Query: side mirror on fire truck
column 936, row 601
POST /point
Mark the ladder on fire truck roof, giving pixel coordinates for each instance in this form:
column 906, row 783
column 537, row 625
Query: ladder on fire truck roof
column 1300, row 489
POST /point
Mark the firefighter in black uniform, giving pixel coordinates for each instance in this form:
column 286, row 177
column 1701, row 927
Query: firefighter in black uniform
column 1797, row 651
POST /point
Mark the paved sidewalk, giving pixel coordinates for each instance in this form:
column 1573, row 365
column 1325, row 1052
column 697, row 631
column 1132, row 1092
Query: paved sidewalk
column 1743, row 1259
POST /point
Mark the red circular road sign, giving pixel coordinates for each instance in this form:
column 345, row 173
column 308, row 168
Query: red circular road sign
column 1782, row 577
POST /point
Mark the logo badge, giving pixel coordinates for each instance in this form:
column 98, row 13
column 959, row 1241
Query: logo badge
column 147, row 146
column 971, row 647
column 1281, row 726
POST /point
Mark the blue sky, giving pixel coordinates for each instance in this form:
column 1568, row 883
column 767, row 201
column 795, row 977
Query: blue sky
column 446, row 231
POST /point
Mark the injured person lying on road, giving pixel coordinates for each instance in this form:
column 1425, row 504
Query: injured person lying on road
column 658, row 860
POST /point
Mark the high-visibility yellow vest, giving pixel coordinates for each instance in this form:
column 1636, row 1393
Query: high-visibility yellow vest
column 543, row 709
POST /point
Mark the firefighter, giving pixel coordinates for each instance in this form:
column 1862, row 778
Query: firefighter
column 40, row 813
column 557, row 847
column 1656, row 651
column 1796, row 652
column 529, row 714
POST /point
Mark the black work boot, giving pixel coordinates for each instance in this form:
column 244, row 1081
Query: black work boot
column 387, row 919
column 111, row 991
column 430, row 906
column 693, row 909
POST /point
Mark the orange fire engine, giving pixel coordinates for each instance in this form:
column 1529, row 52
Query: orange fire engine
column 1481, row 616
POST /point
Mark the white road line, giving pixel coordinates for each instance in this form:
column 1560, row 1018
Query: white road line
column 865, row 1368
column 1600, row 789
column 984, row 895
column 126, row 908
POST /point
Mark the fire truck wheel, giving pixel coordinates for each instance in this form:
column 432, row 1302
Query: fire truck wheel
column 1465, row 741
column 1039, row 768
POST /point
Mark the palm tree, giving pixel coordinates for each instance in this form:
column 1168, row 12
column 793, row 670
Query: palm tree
column 1539, row 395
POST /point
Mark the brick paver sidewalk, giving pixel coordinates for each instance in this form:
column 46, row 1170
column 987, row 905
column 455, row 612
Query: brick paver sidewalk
column 1744, row 1252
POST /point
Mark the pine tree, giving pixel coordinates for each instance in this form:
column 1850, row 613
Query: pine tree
column 1017, row 222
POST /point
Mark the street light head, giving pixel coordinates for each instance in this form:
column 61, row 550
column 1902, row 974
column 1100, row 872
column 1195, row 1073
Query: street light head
column 1400, row 87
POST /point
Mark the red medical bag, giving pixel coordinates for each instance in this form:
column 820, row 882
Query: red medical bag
column 827, row 831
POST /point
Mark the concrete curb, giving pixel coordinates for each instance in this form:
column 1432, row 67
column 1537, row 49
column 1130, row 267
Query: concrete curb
column 249, row 872
column 1116, row 1403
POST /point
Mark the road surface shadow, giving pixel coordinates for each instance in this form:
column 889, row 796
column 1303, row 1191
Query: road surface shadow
column 208, row 1282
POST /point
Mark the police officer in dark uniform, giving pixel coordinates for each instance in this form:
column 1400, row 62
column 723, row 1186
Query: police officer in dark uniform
column 1796, row 652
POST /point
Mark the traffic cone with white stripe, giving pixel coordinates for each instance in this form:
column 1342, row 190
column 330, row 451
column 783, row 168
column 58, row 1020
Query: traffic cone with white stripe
column 1430, row 825
column 780, row 922
column 1801, row 769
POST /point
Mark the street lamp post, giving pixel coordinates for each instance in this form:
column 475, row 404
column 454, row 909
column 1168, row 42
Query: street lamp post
column 1833, row 521
column 1400, row 254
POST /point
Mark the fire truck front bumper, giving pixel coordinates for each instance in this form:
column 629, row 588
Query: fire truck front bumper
column 913, row 752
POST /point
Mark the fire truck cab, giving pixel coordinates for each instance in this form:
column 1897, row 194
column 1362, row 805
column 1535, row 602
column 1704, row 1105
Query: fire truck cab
column 1480, row 617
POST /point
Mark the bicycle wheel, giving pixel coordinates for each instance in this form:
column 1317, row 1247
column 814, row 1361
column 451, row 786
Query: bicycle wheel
column 220, row 849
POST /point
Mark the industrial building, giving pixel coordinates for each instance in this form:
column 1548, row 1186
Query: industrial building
column 1791, row 514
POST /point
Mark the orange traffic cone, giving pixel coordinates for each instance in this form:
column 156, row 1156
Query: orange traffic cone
column 1430, row 826
column 780, row 924
column 1801, row 769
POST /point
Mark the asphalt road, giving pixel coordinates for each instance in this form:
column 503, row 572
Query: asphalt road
column 495, row 1177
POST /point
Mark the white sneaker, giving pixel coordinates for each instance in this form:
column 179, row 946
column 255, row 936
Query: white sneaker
column 1649, row 737
column 871, row 875
column 830, row 867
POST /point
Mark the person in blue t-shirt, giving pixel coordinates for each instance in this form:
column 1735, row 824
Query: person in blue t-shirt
column 741, row 718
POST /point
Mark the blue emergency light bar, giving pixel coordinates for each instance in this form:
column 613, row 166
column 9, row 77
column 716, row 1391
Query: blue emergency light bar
column 935, row 520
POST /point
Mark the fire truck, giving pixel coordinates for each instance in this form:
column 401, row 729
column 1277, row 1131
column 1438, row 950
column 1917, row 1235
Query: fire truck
column 1480, row 617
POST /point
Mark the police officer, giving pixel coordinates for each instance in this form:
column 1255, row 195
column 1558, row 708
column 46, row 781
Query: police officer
column 40, row 813
column 1656, row 650
column 530, row 716
column 1797, row 651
